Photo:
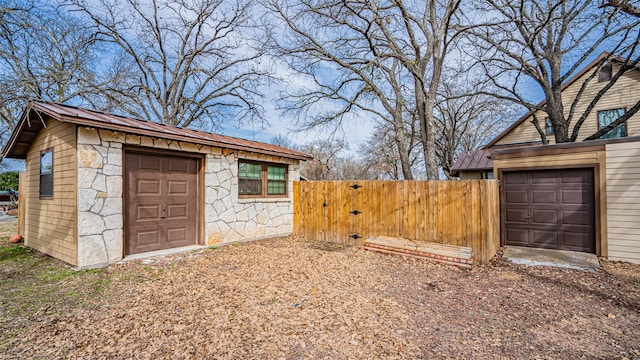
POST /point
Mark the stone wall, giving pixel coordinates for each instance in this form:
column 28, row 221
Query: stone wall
column 229, row 218
column 226, row 217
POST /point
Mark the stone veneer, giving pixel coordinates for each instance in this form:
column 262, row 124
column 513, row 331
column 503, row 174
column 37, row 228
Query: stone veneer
column 226, row 217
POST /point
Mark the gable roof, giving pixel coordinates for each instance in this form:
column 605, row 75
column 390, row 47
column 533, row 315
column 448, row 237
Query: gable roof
column 573, row 79
column 473, row 161
column 30, row 125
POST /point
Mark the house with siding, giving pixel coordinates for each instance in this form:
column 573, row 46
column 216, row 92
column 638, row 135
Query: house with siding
column 582, row 196
column 99, row 187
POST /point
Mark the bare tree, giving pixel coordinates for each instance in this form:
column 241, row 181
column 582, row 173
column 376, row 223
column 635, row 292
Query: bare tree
column 377, row 48
column 465, row 120
column 45, row 54
column 381, row 157
column 624, row 6
column 548, row 42
column 334, row 44
column 282, row 140
column 352, row 168
column 326, row 157
column 420, row 35
column 195, row 62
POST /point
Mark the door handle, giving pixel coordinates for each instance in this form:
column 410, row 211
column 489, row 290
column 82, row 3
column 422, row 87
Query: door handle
column 164, row 211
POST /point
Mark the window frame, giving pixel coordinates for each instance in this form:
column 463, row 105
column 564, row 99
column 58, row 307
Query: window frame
column 265, row 180
column 626, row 127
column 50, row 175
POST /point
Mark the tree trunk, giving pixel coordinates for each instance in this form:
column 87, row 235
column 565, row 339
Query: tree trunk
column 425, row 105
column 400, row 138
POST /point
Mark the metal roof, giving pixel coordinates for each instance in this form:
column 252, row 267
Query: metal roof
column 31, row 123
column 473, row 161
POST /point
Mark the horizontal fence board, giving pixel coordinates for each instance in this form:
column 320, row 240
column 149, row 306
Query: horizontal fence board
column 462, row 213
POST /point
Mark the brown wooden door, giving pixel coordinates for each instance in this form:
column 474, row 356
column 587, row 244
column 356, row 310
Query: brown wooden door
column 551, row 209
column 161, row 202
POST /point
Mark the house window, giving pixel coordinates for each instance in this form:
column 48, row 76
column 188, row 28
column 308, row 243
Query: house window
column 46, row 174
column 548, row 126
column 606, row 117
column 604, row 74
column 257, row 179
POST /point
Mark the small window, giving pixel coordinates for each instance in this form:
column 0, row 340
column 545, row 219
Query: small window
column 276, row 180
column 46, row 174
column 250, row 176
column 604, row 74
column 548, row 126
column 606, row 117
column 261, row 179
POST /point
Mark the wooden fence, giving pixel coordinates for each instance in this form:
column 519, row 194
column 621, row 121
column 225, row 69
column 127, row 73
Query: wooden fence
column 464, row 213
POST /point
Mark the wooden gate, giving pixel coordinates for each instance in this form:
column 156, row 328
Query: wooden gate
column 464, row 213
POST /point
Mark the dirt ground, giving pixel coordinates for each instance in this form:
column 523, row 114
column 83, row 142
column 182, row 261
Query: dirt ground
column 297, row 299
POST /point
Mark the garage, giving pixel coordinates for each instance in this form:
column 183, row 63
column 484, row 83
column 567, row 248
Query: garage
column 552, row 209
column 161, row 201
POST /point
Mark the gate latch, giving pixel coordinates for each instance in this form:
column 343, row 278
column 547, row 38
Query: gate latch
column 355, row 212
column 355, row 236
column 356, row 186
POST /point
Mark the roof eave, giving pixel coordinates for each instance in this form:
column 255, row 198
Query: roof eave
column 108, row 126
column 17, row 131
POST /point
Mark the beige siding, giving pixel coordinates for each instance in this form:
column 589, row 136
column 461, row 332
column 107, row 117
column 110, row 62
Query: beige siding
column 470, row 175
column 623, row 206
column 570, row 159
column 624, row 94
column 50, row 224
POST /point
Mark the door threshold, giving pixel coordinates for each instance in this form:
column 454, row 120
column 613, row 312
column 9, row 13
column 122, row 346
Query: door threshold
column 163, row 252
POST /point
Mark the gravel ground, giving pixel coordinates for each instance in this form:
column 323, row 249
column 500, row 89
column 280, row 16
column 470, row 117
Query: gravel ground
column 296, row 299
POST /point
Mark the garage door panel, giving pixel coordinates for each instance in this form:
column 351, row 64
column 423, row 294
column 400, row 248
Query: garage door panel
column 545, row 237
column 543, row 179
column 149, row 163
column 178, row 212
column 148, row 187
column 147, row 213
column 161, row 196
column 178, row 236
column 544, row 196
column 574, row 177
column 147, row 238
column 518, row 178
column 575, row 196
column 575, row 241
column 517, row 197
column 576, row 217
column 178, row 188
column 545, row 217
column 517, row 216
column 560, row 205
column 518, row 237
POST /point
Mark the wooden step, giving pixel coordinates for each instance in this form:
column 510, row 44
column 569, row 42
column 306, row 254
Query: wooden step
column 449, row 254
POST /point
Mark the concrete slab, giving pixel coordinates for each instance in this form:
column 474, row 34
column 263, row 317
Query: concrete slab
column 546, row 257
column 165, row 252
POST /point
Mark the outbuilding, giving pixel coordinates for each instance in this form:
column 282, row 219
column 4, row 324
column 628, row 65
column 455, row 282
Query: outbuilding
column 99, row 187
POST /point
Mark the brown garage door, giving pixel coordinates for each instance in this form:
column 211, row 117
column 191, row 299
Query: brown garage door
column 161, row 202
column 551, row 209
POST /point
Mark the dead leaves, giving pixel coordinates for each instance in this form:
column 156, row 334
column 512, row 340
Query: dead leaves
column 289, row 298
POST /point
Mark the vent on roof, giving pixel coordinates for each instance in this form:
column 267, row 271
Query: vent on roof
column 604, row 74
